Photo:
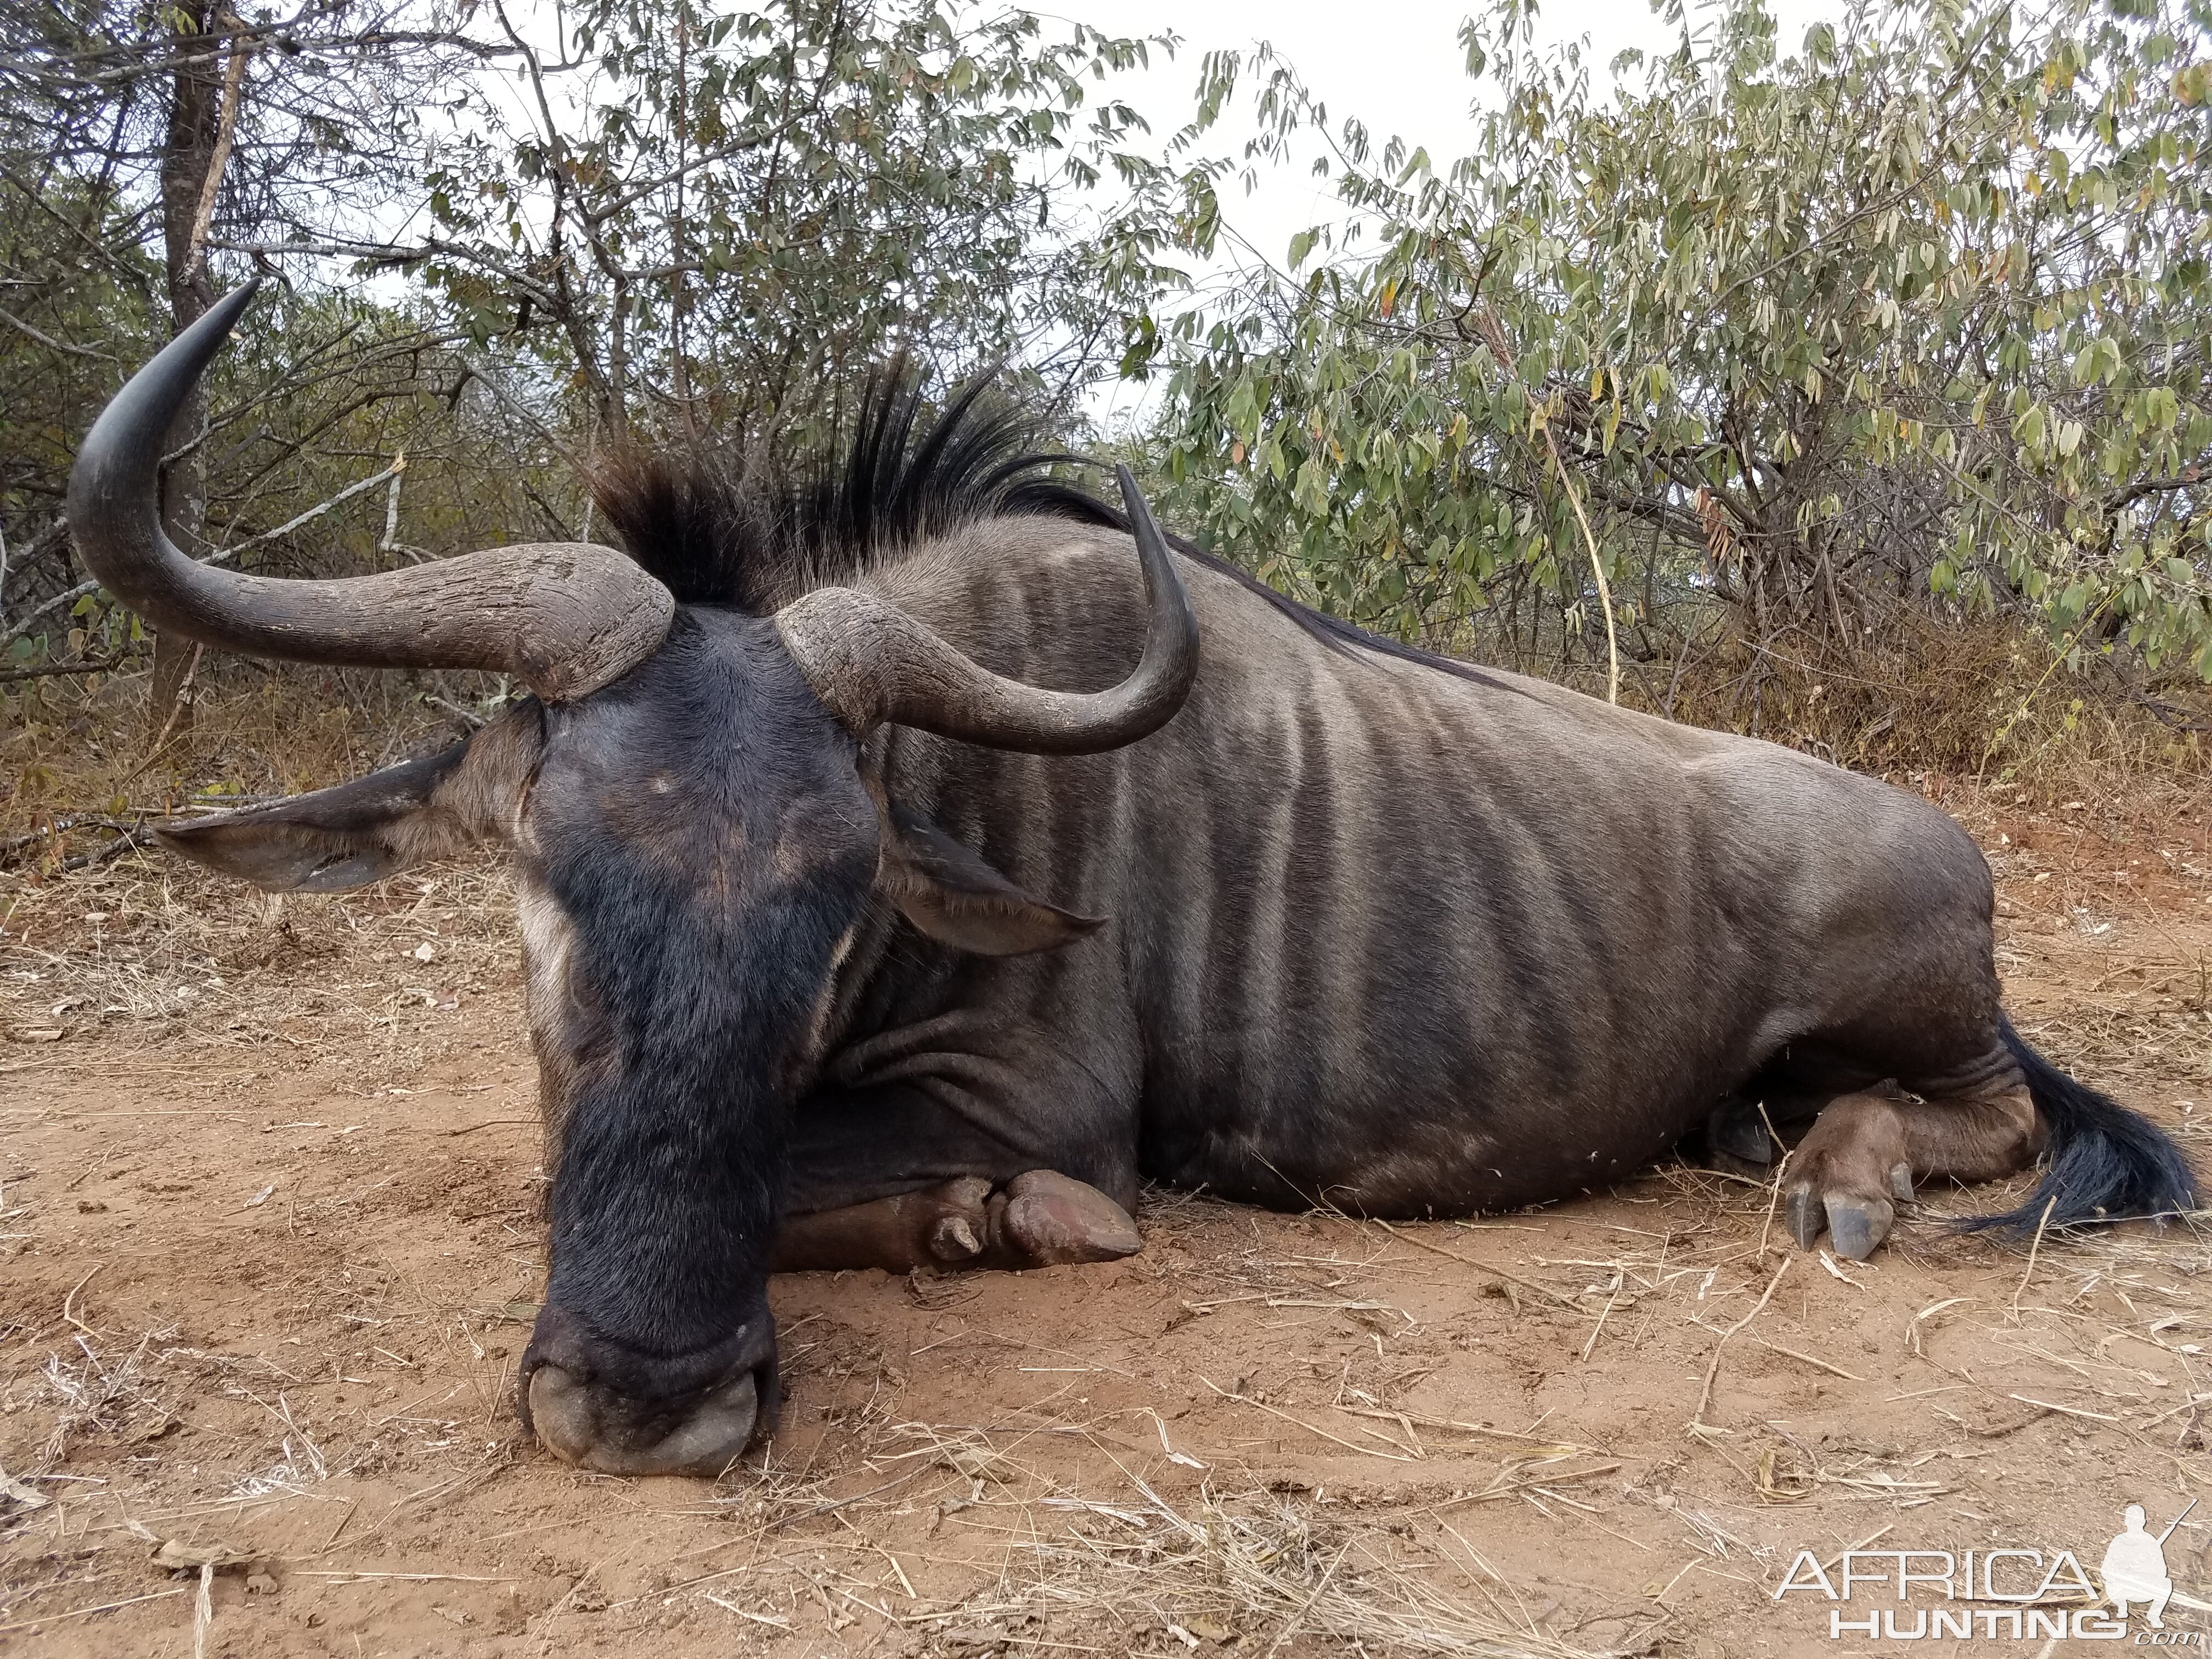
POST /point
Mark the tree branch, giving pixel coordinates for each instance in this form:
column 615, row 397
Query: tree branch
column 233, row 86
column 49, row 341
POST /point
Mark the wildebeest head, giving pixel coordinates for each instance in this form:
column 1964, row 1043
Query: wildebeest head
column 695, row 840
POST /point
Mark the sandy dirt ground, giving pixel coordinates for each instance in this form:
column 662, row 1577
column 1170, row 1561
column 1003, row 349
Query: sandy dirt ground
column 268, row 1183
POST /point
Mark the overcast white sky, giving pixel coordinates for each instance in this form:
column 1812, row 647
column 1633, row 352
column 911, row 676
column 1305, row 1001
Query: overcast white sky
column 1397, row 65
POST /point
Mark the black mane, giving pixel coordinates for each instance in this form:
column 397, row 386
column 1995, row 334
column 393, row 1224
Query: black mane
column 733, row 531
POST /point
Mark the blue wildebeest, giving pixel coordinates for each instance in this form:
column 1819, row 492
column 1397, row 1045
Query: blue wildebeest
column 911, row 863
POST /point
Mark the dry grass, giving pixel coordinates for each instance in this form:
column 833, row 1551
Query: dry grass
column 1129, row 1571
column 98, row 931
column 1116, row 1566
column 150, row 950
column 84, row 748
column 1980, row 701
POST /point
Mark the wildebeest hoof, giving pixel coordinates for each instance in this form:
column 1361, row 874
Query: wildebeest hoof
column 1857, row 1225
column 1805, row 1215
column 1050, row 1217
column 1900, row 1182
column 953, row 1240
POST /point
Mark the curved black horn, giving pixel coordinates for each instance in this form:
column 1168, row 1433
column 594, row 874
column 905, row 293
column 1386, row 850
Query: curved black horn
column 872, row 663
column 564, row 617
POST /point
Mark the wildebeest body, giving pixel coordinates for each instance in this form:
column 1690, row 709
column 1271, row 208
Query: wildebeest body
column 1295, row 914
column 1380, row 936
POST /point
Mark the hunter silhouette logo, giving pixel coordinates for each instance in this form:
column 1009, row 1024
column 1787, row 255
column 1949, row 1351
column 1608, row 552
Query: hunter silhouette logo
column 2134, row 1567
column 2025, row 1594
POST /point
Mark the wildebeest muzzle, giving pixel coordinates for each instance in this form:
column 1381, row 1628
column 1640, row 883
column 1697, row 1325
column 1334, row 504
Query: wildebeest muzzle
column 607, row 1408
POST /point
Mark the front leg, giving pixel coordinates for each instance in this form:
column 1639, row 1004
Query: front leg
column 943, row 1227
column 1040, row 1219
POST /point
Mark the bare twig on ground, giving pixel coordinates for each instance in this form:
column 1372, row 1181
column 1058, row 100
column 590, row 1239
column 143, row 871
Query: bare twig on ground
column 1698, row 1424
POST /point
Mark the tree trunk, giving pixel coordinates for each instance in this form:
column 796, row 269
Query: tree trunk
column 188, row 161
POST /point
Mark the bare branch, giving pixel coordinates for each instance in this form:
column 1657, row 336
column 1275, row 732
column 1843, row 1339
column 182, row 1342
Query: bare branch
column 233, row 86
column 48, row 340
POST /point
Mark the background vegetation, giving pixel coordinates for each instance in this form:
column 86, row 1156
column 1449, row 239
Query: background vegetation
column 1789, row 360
column 1851, row 391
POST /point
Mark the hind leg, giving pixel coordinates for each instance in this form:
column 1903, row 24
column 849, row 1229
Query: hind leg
column 1866, row 1151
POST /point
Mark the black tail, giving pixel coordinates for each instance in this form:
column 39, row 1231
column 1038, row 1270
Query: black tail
column 2104, row 1163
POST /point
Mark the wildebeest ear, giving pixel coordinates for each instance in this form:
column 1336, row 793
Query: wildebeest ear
column 359, row 832
column 956, row 898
